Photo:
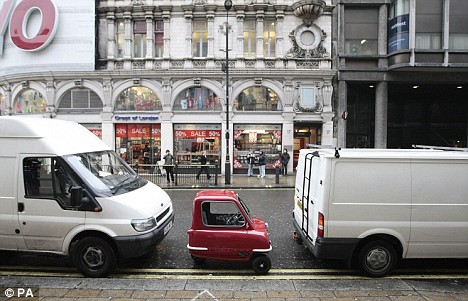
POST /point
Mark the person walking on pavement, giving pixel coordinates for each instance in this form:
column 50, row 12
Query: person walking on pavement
column 261, row 164
column 169, row 166
column 203, row 167
column 284, row 162
column 250, row 163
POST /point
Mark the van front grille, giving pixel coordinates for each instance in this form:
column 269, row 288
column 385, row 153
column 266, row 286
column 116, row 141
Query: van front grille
column 162, row 215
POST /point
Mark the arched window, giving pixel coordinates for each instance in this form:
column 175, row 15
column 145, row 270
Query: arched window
column 257, row 99
column 197, row 99
column 80, row 100
column 30, row 102
column 138, row 99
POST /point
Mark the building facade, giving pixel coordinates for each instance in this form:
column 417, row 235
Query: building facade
column 402, row 75
column 150, row 75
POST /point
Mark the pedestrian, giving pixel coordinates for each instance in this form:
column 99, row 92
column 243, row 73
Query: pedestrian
column 202, row 159
column 284, row 162
column 169, row 166
column 261, row 164
column 250, row 163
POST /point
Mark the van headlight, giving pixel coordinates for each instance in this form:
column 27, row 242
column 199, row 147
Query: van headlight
column 141, row 225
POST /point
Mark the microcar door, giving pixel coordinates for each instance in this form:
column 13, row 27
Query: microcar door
column 225, row 229
column 45, row 211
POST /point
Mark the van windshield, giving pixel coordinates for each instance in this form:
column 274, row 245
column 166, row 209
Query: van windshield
column 105, row 172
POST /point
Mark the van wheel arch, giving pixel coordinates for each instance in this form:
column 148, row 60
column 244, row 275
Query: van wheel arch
column 391, row 240
column 99, row 243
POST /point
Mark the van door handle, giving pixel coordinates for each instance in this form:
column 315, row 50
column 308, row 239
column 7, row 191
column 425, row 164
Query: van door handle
column 20, row 207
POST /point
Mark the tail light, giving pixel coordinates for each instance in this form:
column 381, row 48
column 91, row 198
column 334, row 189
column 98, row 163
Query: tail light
column 321, row 225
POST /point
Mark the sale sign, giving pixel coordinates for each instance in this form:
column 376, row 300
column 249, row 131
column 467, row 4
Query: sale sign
column 197, row 133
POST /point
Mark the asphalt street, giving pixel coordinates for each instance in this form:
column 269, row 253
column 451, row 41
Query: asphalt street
column 169, row 273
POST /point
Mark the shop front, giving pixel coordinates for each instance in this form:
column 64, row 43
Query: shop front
column 304, row 135
column 138, row 143
column 191, row 140
column 257, row 138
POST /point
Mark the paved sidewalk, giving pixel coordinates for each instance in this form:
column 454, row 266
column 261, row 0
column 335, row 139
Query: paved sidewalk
column 85, row 289
column 239, row 181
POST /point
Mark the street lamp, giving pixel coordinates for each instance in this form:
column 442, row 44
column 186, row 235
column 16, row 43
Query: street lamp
column 227, row 166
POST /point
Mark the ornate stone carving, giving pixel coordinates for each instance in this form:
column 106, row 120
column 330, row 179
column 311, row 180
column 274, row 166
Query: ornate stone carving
column 307, row 42
column 308, row 10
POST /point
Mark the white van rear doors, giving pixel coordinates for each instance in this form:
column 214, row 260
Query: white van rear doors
column 44, row 213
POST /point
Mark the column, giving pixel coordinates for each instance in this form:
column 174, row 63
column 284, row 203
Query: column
column 279, row 30
column 210, row 9
column 342, row 107
column 149, row 34
column 167, row 133
column 110, row 35
column 188, row 15
column 381, row 110
column 128, row 35
column 166, row 15
column 240, row 15
column 288, row 137
column 260, row 29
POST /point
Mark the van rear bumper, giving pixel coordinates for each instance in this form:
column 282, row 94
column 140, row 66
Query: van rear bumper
column 138, row 245
column 329, row 248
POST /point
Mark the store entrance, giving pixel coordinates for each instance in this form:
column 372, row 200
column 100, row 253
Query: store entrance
column 304, row 134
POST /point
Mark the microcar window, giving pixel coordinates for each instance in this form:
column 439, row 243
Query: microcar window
column 222, row 214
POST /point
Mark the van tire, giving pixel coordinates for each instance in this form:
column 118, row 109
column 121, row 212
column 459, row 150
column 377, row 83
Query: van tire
column 377, row 258
column 261, row 264
column 94, row 257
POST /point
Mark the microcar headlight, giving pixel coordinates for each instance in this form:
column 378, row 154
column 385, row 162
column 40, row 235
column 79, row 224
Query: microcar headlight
column 141, row 225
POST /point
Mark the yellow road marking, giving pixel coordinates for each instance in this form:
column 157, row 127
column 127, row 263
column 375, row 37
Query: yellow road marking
column 274, row 274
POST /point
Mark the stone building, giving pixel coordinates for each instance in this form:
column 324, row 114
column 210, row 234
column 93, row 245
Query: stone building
column 402, row 75
column 150, row 75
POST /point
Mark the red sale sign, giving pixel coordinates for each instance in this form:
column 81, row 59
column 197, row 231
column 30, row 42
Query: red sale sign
column 197, row 133
column 17, row 18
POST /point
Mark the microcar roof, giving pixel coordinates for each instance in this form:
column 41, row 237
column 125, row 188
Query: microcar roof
column 216, row 194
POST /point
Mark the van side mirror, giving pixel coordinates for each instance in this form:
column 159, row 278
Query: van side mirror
column 76, row 195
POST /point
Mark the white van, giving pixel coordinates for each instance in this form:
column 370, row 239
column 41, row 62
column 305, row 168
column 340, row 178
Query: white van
column 62, row 190
column 375, row 206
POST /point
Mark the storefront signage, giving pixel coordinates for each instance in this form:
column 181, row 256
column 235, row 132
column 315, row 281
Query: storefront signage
column 133, row 131
column 197, row 133
column 136, row 118
column 18, row 18
column 398, row 33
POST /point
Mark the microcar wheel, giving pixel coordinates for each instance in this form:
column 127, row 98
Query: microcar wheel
column 377, row 258
column 261, row 264
column 198, row 260
column 94, row 257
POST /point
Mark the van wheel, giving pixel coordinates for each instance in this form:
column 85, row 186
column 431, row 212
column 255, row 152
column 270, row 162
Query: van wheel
column 377, row 258
column 261, row 264
column 94, row 257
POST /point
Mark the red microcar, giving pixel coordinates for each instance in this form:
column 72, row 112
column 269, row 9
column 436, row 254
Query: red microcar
column 223, row 229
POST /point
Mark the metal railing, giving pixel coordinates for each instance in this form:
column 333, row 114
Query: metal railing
column 186, row 175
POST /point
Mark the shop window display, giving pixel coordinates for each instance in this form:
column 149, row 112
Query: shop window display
column 190, row 140
column 256, row 138
column 138, row 99
column 257, row 99
column 30, row 102
column 139, row 144
column 197, row 99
